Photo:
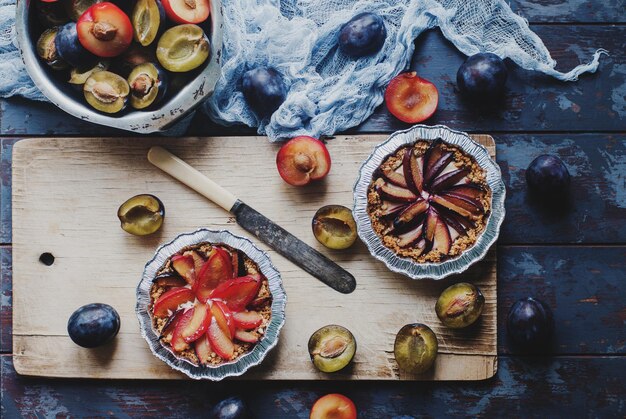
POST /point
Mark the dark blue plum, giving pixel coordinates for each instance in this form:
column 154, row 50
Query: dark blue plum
column 231, row 408
column 482, row 76
column 264, row 90
column 362, row 35
column 93, row 325
column 548, row 175
column 530, row 324
column 69, row 48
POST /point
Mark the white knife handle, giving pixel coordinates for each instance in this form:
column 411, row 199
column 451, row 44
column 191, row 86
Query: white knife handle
column 180, row 170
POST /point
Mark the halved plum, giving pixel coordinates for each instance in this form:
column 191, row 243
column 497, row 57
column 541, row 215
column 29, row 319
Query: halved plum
column 303, row 159
column 183, row 48
column 335, row 406
column 71, row 50
column 106, row 91
column 47, row 50
column 187, row 11
column 148, row 17
column 142, row 214
column 170, row 300
column 334, row 227
column 78, row 77
column 411, row 98
column 331, row 348
column 105, row 30
column 148, row 83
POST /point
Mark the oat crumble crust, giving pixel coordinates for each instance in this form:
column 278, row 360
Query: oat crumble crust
column 241, row 348
column 381, row 226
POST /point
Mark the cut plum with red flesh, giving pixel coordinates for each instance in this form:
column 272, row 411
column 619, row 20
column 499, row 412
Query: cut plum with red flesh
column 395, row 193
column 412, row 237
column 448, row 179
column 391, row 209
column 452, row 222
column 203, row 349
column 170, row 300
column 217, row 269
column 178, row 343
column 198, row 260
column 466, row 223
column 104, row 30
column 469, row 190
column 247, row 320
column 411, row 98
column 245, row 336
column 170, row 324
column 187, row 11
column 259, row 302
column 219, row 340
column 303, row 159
column 441, row 239
column 198, row 324
column 184, row 265
column 395, row 177
column 239, row 292
column 410, row 217
column 413, row 171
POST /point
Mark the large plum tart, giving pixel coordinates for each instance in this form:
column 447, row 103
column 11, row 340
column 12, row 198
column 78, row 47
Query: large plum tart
column 210, row 304
column 429, row 201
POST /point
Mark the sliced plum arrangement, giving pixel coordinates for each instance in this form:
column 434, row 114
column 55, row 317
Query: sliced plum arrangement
column 126, row 41
column 302, row 160
column 429, row 201
column 105, row 30
column 411, row 98
column 205, row 308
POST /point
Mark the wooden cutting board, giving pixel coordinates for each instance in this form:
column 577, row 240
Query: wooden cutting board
column 65, row 197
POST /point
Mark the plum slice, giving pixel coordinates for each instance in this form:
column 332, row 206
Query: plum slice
column 441, row 238
column 410, row 98
column 447, row 203
column 446, row 180
column 148, row 17
column 435, row 160
column 148, row 83
column 302, row 160
column 247, row 320
column 203, row 349
column 170, row 300
column 412, row 171
column 105, row 30
column 187, row 11
column 216, row 270
column 391, row 209
column 239, row 292
column 395, row 193
column 334, row 227
column 411, row 237
column 198, row 323
column 397, row 176
column 106, row 91
column 183, row 48
column 184, row 265
column 410, row 215
column 246, row 336
column 169, row 280
column 47, row 50
column 220, row 342
column 178, row 343
column 472, row 205
column 171, row 323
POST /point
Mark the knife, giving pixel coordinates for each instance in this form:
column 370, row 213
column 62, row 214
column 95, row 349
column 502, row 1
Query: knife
column 256, row 223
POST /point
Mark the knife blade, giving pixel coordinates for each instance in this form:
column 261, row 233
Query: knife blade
column 256, row 223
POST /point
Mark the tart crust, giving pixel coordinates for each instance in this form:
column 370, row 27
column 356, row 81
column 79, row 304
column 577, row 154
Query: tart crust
column 383, row 226
column 241, row 348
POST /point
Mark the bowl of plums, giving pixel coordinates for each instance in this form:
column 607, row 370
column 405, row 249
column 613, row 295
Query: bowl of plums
column 137, row 65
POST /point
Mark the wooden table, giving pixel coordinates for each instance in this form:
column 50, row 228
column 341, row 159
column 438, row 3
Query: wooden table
column 574, row 259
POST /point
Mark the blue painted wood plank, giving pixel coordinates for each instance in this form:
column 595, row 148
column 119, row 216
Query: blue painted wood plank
column 523, row 387
column 6, row 153
column 6, row 300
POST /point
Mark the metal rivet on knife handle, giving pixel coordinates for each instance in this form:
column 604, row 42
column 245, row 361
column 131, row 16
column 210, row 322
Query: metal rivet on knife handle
column 263, row 228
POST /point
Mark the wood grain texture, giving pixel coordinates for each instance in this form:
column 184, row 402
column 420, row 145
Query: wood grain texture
column 82, row 181
column 534, row 102
column 524, row 387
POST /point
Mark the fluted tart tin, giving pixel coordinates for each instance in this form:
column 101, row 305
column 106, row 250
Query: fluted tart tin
column 227, row 369
column 406, row 265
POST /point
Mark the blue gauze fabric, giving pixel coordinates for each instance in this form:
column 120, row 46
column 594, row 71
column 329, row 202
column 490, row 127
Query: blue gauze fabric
column 328, row 91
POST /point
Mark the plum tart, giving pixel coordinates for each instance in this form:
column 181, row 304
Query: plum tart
column 429, row 201
column 210, row 304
